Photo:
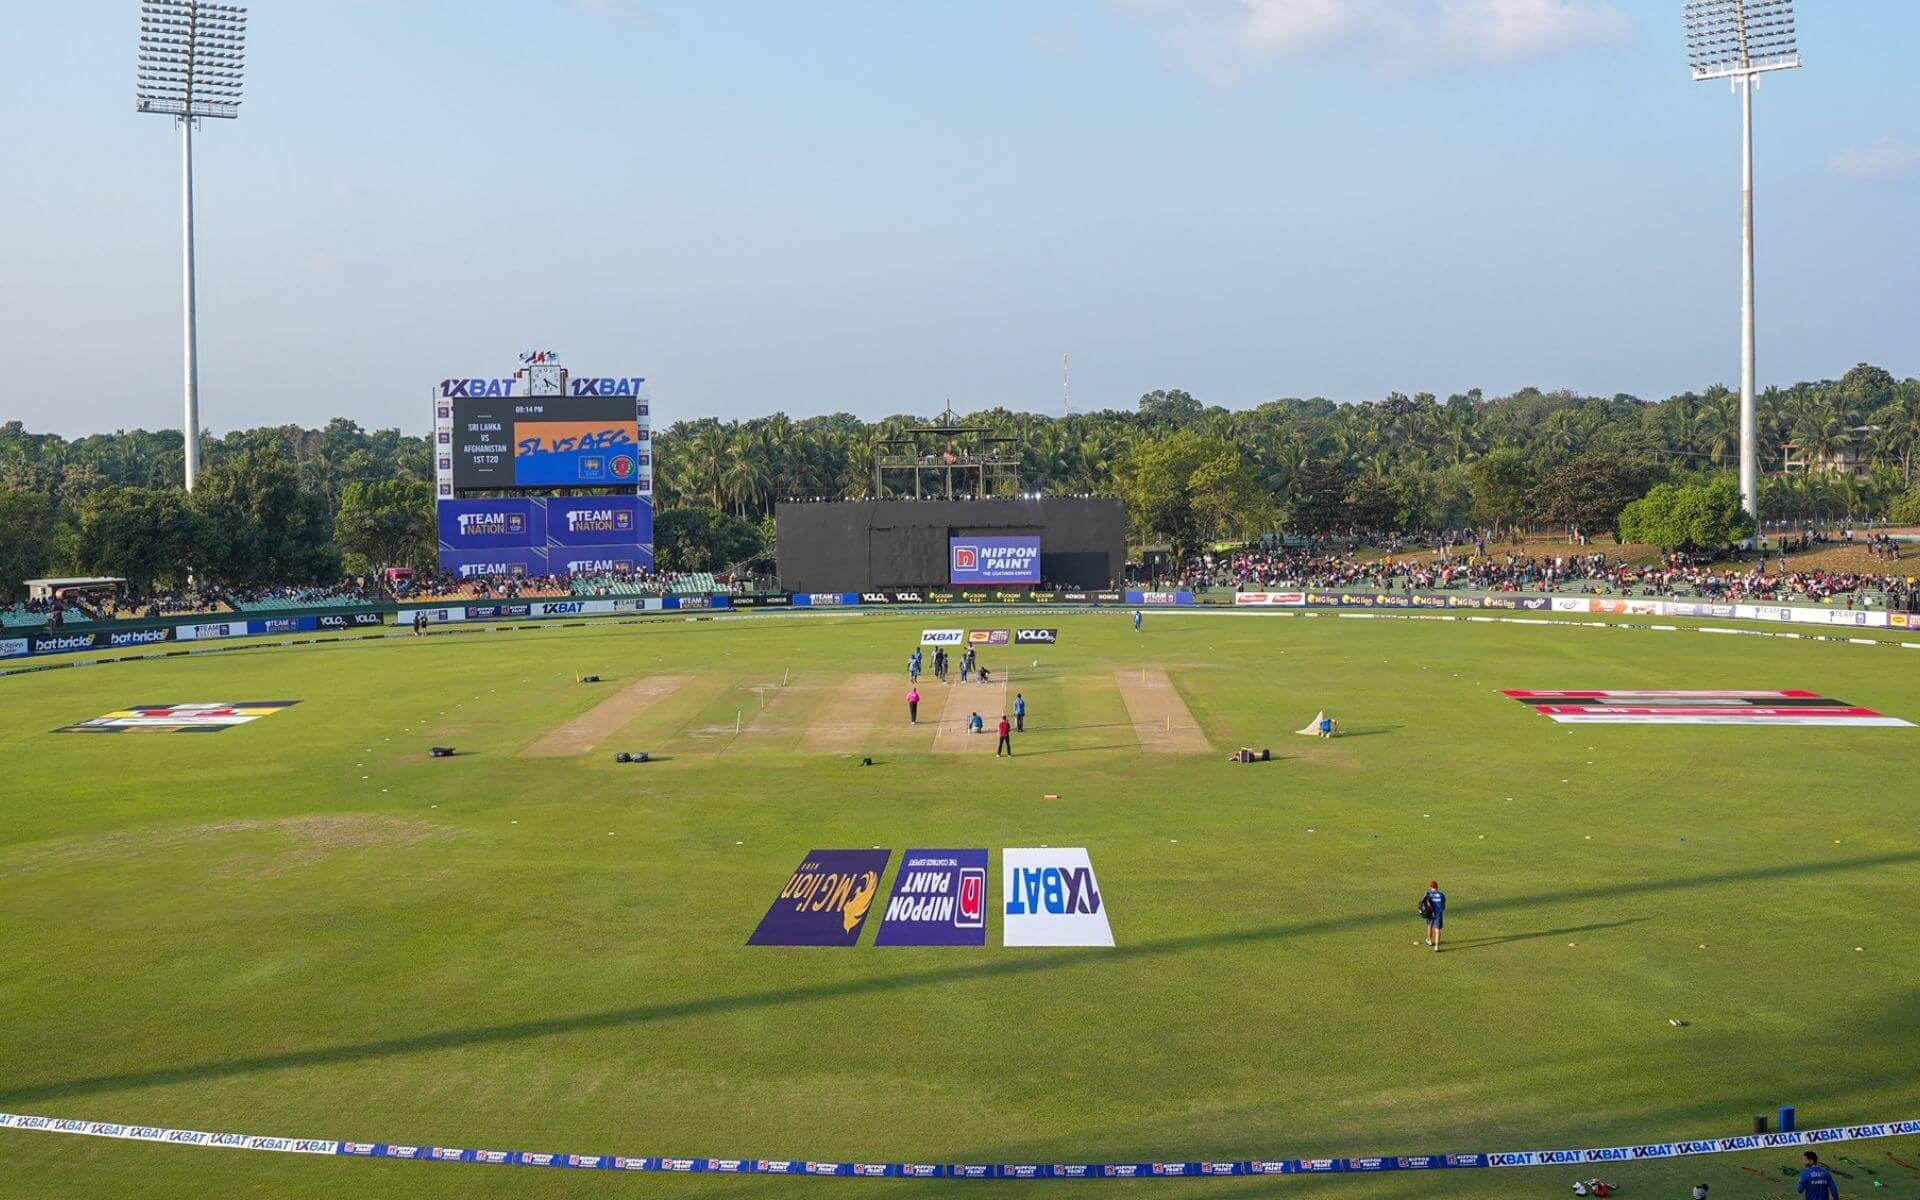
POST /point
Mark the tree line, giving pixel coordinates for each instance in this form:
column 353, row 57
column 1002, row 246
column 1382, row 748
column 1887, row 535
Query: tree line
column 291, row 505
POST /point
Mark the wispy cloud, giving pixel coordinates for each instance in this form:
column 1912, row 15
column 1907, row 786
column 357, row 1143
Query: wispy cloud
column 1887, row 160
column 1225, row 37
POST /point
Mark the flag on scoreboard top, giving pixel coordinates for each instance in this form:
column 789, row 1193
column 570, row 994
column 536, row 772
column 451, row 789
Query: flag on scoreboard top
column 1710, row 707
column 179, row 718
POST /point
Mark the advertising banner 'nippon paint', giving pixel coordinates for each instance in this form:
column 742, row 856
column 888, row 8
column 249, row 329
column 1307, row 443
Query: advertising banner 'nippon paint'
column 826, row 901
column 994, row 560
column 1049, row 898
column 939, row 899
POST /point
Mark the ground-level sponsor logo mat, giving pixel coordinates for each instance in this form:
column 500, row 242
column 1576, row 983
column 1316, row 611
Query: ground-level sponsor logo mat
column 1675, row 707
column 826, row 900
column 939, row 899
column 1050, row 898
column 179, row 718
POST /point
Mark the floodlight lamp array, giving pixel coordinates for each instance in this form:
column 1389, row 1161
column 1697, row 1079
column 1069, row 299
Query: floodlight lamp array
column 192, row 58
column 1739, row 37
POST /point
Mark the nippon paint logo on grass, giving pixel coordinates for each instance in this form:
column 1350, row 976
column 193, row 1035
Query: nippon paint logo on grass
column 939, row 899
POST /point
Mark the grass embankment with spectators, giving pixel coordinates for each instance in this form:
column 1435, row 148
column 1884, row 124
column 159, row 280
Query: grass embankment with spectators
column 304, row 926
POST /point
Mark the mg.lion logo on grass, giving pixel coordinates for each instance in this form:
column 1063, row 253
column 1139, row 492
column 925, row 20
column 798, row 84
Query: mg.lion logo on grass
column 825, row 901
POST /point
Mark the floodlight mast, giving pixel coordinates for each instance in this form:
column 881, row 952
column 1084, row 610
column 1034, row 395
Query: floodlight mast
column 1740, row 40
column 192, row 57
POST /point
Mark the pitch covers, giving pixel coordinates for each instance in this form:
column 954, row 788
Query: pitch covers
column 1676, row 707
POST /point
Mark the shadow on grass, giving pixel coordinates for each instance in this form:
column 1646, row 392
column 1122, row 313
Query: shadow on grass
column 1482, row 943
column 1077, row 749
column 1010, row 966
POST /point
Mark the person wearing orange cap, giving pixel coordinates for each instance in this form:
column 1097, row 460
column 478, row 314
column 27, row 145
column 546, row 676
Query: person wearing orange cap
column 1433, row 906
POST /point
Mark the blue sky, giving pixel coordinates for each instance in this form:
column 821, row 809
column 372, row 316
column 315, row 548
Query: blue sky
column 877, row 207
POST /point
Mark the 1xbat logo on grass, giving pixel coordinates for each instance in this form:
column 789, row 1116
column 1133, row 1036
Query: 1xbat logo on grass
column 1050, row 898
column 825, row 902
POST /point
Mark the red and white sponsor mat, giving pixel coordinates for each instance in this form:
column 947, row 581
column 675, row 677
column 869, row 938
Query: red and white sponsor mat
column 1687, row 707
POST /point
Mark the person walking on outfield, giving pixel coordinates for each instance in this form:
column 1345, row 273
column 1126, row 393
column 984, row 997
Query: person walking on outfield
column 1006, row 738
column 1816, row 1182
column 913, row 706
column 913, row 667
column 1019, row 713
column 1433, row 906
column 1137, row 616
column 966, row 664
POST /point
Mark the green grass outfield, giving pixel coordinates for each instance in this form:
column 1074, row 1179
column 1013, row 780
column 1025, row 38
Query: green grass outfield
column 304, row 927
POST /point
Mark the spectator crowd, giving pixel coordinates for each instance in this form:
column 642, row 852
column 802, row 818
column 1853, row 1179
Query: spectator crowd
column 1469, row 562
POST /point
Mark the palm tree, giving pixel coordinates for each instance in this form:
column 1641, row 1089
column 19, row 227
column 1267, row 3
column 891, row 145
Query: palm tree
column 746, row 478
column 1824, row 432
column 1718, row 425
column 707, row 462
column 1899, row 427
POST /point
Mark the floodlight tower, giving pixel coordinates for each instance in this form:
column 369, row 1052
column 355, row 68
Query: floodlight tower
column 1740, row 40
column 192, row 55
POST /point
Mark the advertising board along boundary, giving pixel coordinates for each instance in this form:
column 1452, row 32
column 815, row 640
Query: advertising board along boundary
column 626, row 610
column 1029, row 1170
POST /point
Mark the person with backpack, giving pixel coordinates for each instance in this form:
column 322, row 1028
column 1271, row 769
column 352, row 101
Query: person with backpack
column 1433, row 906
